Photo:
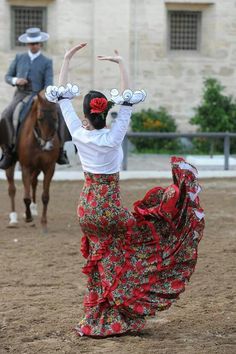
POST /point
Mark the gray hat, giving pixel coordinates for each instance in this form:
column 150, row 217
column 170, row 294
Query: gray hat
column 33, row 35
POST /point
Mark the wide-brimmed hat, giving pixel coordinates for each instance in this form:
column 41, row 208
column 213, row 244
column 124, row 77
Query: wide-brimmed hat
column 33, row 35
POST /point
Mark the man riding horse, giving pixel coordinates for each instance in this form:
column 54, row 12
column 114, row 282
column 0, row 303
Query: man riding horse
column 30, row 72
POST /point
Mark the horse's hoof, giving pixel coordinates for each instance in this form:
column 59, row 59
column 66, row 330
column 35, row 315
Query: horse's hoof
column 28, row 220
column 33, row 209
column 13, row 223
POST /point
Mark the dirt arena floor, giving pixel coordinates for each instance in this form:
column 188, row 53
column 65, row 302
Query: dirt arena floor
column 41, row 284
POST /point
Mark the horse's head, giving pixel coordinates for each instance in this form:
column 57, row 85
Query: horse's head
column 46, row 120
column 47, row 114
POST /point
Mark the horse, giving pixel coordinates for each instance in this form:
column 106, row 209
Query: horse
column 37, row 151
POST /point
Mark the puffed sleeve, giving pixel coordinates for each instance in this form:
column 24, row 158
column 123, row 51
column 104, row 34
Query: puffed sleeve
column 119, row 127
column 71, row 119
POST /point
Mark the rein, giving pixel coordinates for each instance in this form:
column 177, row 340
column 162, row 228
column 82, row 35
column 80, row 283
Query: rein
column 45, row 144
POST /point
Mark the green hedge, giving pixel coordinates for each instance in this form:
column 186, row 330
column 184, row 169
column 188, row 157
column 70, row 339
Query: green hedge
column 153, row 121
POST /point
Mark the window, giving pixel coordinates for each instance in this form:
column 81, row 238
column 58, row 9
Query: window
column 24, row 17
column 184, row 30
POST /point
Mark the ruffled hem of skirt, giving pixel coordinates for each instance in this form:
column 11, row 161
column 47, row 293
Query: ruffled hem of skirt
column 174, row 265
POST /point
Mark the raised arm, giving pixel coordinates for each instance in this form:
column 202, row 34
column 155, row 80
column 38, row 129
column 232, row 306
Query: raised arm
column 120, row 126
column 63, row 77
column 72, row 120
column 125, row 84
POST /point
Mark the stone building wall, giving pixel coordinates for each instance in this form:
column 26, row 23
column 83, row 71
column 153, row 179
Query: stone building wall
column 139, row 29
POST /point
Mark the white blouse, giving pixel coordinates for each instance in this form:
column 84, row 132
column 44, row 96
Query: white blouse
column 100, row 151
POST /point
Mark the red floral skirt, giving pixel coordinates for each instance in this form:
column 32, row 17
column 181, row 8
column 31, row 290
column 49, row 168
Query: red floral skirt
column 137, row 263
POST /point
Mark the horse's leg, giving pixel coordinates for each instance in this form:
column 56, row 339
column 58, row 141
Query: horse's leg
column 12, row 192
column 34, row 183
column 26, row 176
column 45, row 195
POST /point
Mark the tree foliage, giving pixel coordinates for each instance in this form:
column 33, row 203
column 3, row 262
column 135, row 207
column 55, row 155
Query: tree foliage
column 216, row 113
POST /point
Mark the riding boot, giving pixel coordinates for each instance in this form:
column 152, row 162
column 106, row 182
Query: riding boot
column 8, row 157
column 62, row 158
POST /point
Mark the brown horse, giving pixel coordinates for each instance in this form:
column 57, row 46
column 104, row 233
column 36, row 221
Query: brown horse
column 37, row 150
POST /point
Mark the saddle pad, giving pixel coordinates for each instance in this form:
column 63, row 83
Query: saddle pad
column 17, row 111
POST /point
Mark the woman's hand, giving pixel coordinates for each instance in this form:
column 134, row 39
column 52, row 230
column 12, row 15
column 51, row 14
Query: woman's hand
column 123, row 70
column 63, row 76
column 115, row 59
column 69, row 54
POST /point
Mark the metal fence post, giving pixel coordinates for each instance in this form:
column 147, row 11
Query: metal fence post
column 125, row 152
column 226, row 151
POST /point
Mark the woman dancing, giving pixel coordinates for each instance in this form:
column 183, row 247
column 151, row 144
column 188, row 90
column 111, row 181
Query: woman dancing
column 136, row 263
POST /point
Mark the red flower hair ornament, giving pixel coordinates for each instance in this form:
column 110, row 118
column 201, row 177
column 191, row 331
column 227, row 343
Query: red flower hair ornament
column 98, row 105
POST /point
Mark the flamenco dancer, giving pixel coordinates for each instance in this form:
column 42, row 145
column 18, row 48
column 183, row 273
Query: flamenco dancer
column 136, row 263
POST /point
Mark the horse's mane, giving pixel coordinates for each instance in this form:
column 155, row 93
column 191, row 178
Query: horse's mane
column 32, row 114
column 37, row 103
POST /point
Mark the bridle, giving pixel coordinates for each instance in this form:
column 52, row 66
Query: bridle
column 45, row 144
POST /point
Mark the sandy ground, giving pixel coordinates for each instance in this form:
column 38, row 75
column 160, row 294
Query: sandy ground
column 41, row 284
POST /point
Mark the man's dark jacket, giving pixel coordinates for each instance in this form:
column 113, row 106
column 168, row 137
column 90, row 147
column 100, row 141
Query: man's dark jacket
column 39, row 72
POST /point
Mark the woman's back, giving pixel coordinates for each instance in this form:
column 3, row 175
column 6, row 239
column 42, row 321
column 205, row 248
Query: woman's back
column 99, row 150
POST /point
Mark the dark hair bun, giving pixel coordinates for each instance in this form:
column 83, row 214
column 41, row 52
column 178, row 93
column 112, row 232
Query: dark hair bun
column 98, row 120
